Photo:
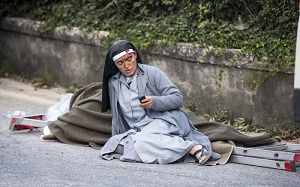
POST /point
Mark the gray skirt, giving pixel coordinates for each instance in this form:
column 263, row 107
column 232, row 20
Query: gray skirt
column 150, row 144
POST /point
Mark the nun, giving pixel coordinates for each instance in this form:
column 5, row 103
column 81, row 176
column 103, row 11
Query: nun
column 148, row 123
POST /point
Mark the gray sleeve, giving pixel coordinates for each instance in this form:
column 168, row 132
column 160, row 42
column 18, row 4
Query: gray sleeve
column 169, row 96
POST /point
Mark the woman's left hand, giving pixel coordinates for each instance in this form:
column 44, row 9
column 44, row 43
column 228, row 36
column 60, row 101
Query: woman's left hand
column 147, row 102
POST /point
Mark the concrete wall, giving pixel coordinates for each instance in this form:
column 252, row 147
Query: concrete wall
column 73, row 56
column 69, row 55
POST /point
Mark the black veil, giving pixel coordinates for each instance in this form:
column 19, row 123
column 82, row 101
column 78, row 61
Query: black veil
column 111, row 69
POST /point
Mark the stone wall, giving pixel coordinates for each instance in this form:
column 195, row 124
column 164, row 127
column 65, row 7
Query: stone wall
column 69, row 55
column 72, row 56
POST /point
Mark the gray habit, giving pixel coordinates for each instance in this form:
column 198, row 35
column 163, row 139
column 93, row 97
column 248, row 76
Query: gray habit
column 148, row 140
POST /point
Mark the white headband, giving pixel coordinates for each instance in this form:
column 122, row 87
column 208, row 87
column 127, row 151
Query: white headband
column 122, row 54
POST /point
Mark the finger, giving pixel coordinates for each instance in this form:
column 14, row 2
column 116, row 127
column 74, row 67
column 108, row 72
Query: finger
column 148, row 99
column 146, row 105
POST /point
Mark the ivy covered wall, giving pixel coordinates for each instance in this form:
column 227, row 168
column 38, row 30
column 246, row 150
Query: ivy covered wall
column 266, row 29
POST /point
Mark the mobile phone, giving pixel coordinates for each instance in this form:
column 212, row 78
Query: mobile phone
column 142, row 98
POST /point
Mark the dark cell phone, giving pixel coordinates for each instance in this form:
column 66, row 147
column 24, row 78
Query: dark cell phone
column 142, row 98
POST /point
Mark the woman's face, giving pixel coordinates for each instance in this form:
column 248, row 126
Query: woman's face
column 127, row 64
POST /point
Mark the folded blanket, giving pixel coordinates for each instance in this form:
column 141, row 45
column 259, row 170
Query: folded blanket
column 85, row 125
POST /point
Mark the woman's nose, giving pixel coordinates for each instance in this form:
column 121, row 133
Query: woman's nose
column 126, row 64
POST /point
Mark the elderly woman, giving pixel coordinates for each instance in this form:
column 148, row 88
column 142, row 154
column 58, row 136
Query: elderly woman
column 148, row 124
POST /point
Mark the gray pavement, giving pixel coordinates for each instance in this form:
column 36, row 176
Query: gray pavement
column 25, row 160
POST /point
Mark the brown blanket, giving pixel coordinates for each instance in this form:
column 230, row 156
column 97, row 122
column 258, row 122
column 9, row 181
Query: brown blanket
column 84, row 124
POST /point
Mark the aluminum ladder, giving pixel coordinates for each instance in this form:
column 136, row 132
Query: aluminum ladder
column 284, row 156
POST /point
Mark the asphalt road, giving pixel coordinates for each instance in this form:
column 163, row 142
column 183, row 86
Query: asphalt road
column 25, row 160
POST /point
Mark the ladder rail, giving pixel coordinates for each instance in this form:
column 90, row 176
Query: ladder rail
column 280, row 146
column 293, row 147
column 267, row 154
column 276, row 164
